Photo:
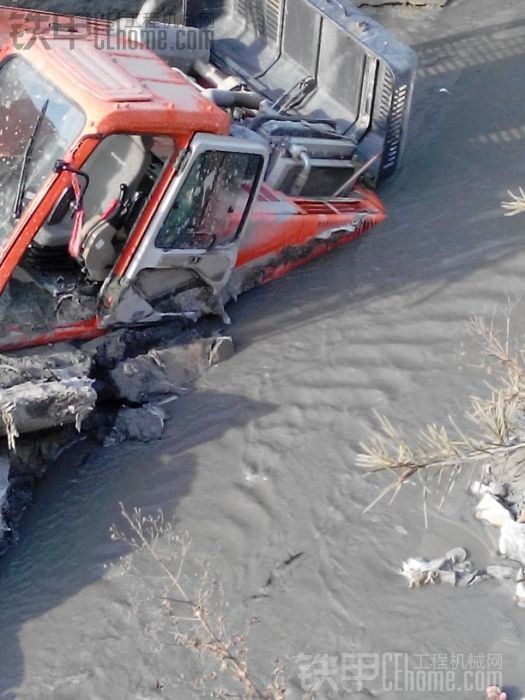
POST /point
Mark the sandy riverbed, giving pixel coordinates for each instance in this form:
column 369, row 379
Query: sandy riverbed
column 258, row 465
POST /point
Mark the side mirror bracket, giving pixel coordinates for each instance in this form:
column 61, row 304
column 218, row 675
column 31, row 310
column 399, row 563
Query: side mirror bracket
column 62, row 166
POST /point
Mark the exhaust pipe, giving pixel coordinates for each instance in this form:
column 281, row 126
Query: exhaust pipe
column 153, row 7
column 228, row 99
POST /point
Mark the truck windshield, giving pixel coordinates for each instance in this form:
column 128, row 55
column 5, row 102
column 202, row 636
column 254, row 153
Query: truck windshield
column 31, row 109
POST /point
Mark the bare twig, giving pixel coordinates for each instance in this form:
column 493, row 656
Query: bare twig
column 210, row 631
column 499, row 424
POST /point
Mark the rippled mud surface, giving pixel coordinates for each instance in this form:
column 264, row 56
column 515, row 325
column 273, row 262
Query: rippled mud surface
column 258, row 465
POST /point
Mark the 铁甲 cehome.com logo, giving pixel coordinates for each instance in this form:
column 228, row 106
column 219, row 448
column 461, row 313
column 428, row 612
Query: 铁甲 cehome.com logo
column 399, row 672
column 111, row 31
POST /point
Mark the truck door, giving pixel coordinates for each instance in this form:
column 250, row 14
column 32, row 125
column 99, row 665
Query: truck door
column 186, row 257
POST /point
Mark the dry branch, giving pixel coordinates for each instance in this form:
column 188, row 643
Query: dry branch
column 498, row 435
column 195, row 622
column 516, row 205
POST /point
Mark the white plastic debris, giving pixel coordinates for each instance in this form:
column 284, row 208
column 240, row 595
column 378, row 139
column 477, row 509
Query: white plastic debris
column 420, row 572
column 491, row 511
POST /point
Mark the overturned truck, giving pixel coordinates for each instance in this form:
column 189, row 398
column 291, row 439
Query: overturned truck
column 153, row 168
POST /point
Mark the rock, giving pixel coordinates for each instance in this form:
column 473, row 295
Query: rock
column 476, row 577
column 499, row 490
column 512, row 541
column 455, row 568
column 500, row 572
column 490, row 485
column 519, row 596
column 447, row 577
column 478, row 488
column 457, row 555
column 47, row 393
column 222, row 350
column 168, row 371
column 44, row 389
column 491, row 511
column 495, row 693
column 31, row 407
column 144, row 424
column 44, row 366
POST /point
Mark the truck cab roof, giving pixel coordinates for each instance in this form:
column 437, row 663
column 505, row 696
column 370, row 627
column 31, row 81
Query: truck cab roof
column 127, row 88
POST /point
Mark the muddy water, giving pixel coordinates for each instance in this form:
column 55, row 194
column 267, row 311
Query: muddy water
column 259, row 464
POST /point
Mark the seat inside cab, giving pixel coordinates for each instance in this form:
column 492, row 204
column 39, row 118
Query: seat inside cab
column 120, row 159
column 122, row 171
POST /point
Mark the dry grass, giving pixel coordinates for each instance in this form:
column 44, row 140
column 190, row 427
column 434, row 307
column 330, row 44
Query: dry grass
column 516, row 205
column 193, row 612
column 436, row 454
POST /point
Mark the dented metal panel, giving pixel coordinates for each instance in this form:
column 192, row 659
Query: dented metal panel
column 105, row 76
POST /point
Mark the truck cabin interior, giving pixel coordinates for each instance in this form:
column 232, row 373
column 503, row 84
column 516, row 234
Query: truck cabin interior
column 50, row 286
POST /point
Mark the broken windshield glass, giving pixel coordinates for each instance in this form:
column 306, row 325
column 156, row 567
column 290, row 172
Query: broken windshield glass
column 212, row 202
column 25, row 98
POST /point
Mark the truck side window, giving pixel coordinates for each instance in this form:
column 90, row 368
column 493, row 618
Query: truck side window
column 212, row 202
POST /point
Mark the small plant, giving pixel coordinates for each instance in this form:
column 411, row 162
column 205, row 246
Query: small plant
column 437, row 453
column 192, row 616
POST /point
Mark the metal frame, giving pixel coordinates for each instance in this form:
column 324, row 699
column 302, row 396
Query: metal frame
column 213, row 265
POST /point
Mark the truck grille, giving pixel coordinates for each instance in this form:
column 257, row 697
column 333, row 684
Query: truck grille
column 329, row 208
column 385, row 102
column 395, row 128
column 317, row 208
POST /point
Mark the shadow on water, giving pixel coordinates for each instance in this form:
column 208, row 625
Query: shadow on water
column 445, row 222
column 64, row 541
